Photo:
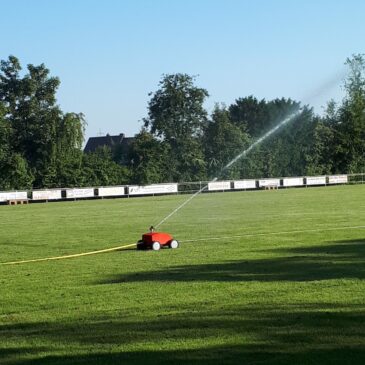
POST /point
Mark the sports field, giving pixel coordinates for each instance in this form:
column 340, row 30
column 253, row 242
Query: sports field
column 262, row 277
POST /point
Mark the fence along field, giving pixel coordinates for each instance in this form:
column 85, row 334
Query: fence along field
column 176, row 188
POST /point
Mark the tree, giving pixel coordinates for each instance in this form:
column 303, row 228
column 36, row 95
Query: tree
column 14, row 170
column 48, row 140
column 349, row 128
column 148, row 159
column 11, row 89
column 284, row 152
column 293, row 143
column 15, row 173
column 320, row 158
column 258, row 117
column 222, row 142
column 176, row 115
column 69, row 139
column 5, row 130
column 98, row 169
column 250, row 115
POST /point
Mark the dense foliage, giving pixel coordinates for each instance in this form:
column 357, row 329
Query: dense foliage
column 40, row 146
column 308, row 144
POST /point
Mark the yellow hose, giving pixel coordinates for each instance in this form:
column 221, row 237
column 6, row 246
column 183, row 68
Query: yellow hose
column 68, row 256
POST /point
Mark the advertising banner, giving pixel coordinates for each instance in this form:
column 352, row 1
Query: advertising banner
column 112, row 191
column 316, row 180
column 293, row 181
column 13, row 195
column 338, row 179
column 244, row 184
column 219, row 185
column 152, row 189
column 79, row 193
column 269, row 182
column 46, row 195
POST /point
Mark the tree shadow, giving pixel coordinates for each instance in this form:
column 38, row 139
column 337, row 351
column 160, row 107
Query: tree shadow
column 354, row 248
column 238, row 355
column 13, row 354
column 252, row 335
column 337, row 260
column 323, row 333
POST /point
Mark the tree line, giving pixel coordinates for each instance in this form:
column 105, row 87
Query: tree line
column 41, row 146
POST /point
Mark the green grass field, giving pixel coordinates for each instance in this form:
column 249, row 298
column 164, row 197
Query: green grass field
column 288, row 289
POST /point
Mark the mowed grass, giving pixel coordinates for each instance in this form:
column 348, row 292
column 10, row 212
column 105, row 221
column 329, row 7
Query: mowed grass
column 262, row 277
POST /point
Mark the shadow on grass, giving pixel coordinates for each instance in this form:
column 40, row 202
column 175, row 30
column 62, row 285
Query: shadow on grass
column 338, row 260
column 233, row 335
column 344, row 249
column 13, row 353
column 322, row 333
column 238, row 355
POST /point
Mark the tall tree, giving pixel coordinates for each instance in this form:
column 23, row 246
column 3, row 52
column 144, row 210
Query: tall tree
column 14, row 169
column 250, row 114
column 99, row 169
column 350, row 126
column 176, row 115
column 283, row 153
column 69, row 138
column 40, row 133
column 11, row 88
column 148, row 159
column 223, row 140
column 320, row 157
column 257, row 117
column 5, row 130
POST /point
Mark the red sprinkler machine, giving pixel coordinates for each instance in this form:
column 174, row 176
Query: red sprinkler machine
column 156, row 240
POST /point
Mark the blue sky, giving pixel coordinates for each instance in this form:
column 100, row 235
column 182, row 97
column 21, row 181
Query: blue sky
column 110, row 54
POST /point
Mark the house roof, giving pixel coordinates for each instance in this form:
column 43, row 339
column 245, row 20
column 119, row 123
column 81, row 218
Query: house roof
column 111, row 141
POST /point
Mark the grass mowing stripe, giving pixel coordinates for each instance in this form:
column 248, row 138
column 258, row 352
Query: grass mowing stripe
column 274, row 233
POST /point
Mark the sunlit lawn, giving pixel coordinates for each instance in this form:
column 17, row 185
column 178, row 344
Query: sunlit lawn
column 263, row 277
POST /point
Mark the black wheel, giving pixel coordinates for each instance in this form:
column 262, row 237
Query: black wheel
column 140, row 245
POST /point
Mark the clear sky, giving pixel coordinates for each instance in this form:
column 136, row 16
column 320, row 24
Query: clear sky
column 109, row 54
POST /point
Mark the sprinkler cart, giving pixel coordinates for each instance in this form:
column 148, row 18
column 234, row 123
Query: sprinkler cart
column 156, row 241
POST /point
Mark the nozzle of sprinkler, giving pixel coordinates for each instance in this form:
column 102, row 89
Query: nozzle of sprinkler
column 152, row 229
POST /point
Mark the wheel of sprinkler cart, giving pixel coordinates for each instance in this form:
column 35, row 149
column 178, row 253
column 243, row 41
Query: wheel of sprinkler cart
column 156, row 246
column 140, row 245
column 174, row 244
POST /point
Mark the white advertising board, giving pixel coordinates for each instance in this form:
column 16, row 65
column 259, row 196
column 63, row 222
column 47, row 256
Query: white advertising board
column 80, row 193
column 269, row 182
column 13, row 195
column 46, row 195
column 316, row 180
column 293, row 181
column 338, row 179
column 152, row 189
column 112, row 191
column 244, row 184
column 219, row 185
